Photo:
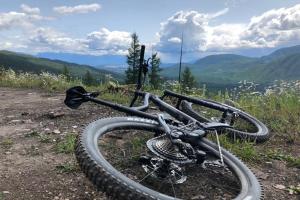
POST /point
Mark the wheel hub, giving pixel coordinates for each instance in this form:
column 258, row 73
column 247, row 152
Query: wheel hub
column 164, row 170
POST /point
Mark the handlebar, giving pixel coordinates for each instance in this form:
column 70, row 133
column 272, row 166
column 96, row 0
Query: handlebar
column 145, row 105
column 181, row 97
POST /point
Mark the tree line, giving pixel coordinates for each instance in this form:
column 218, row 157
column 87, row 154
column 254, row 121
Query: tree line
column 133, row 57
column 153, row 77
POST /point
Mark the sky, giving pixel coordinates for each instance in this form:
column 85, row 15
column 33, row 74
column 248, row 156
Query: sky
column 246, row 27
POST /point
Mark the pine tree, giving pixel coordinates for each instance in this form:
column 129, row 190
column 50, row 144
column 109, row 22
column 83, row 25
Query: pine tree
column 66, row 73
column 133, row 60
column 154, row 77
column 88, row 79
column 188, row 80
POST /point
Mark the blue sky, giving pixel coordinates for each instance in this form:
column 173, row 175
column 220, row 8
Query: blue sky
column 248, row 27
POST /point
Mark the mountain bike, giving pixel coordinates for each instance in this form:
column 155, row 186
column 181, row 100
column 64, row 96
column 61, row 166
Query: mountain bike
column 166, row 154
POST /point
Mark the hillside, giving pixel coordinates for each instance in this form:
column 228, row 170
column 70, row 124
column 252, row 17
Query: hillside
column 229, row 68
column 91, row 60
column 281, row 53
column 28, row 63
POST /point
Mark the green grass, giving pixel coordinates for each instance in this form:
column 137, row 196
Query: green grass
column 45, row 139
column 67, row 167
column 7, row 143
column 289, row 159
column 66, row 145
column 294, row 189
column 42, row 137
column 137, row 146
column 243, row 149
column 32, row 134
column 116, row 97
column 1, row 196
column 54, row 83
column 44, row 80
column 280, row 112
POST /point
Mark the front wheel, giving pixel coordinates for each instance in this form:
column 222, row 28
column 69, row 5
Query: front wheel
column 113, row 154
column 244, row 126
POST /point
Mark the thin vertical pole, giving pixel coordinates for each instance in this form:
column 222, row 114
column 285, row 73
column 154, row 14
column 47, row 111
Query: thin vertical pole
column 180, row 62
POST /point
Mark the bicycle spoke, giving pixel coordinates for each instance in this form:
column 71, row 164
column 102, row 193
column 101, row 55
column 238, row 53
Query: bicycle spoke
column 174, row 193
column 148, row 175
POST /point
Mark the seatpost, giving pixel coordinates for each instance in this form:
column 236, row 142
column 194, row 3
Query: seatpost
column 139, row 84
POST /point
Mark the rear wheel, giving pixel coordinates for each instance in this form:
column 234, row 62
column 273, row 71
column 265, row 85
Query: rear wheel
column 113, row 154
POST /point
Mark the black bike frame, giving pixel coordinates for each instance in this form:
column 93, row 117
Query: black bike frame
column 139, row 110
column 162, row 105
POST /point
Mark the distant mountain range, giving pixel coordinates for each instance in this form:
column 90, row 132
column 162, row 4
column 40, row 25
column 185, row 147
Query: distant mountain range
column 230, row 68
column 114, row 63
column 222, row 69
column 28, row 63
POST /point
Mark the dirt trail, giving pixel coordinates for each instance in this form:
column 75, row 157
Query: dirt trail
column 33, row 122
column 29, row 166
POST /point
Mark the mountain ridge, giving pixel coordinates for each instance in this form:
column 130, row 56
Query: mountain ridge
column 82, row 59
column 30, row 63
column 231, row 68
column 214, row 69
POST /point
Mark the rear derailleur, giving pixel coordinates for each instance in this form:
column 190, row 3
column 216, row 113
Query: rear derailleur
column 163, row 169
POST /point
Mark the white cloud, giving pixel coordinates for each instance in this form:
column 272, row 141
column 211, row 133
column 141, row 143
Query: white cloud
column 192, row 24
column 175, row 25
column 96, row 43
column 219, row 13
column 48, row 39
column 271, row 29
column 30, row 10
column 274, row 27
column 84, row 8
column 18, row 20
column 174, row 40
column 114, row 41
column 12, row 45
column 225, row 37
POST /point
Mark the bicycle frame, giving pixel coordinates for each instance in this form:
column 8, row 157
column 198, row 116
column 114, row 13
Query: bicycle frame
column 162, row 105
column 139, row 110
